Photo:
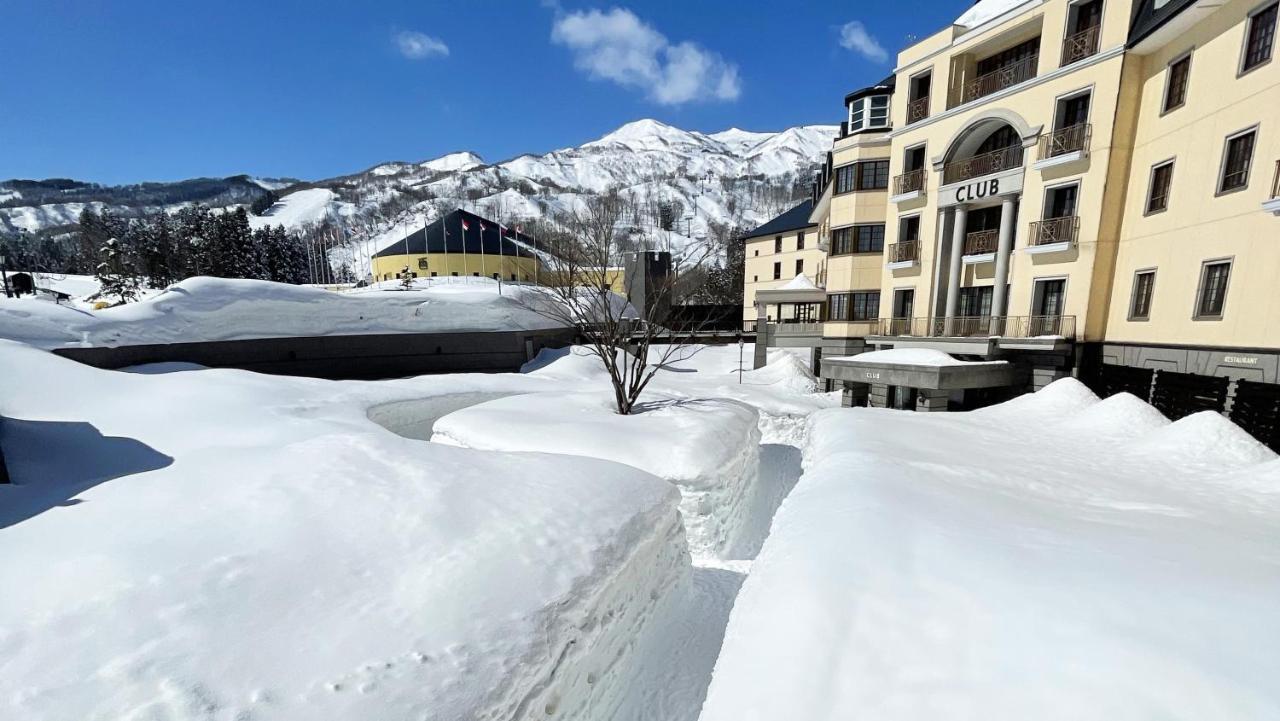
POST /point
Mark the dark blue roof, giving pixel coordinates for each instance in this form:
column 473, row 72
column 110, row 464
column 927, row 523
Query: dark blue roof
column 448, row 230
column 794, row 219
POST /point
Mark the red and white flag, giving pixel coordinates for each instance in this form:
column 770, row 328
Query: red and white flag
column 464, row 224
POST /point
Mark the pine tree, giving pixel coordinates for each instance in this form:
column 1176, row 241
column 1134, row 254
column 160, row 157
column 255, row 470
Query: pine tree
column 114, row 275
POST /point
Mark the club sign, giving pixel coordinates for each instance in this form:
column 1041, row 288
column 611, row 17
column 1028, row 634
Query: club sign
column 982, row 189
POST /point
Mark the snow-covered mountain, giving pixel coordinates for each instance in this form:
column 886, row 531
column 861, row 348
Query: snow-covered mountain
column 704, row 181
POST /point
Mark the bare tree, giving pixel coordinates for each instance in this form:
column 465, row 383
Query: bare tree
column 585, row 288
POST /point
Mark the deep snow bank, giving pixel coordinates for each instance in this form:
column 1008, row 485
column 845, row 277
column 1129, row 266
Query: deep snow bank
column 706, row 447
column 220, row 544
column 1024, row 561
column 211, row 309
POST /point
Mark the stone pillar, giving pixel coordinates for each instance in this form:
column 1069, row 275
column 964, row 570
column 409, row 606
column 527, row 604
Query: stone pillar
column 1003, row 251
column 957, row 251
column 762, row 336
column 878, row 396
column 931, row 400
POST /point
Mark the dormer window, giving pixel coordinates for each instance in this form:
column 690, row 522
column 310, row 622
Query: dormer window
column 869, row 112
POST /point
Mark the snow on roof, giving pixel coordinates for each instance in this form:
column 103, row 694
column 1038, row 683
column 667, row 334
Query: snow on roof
column 985, row 10
column 800, row 282
column 914, row 357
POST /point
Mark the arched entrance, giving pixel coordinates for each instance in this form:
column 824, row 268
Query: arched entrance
column 992, row 143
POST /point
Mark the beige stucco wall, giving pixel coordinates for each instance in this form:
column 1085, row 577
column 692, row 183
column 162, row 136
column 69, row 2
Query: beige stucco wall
column 1089, row 262
column 759, row 265
column 858, row 271
column 1200, row 225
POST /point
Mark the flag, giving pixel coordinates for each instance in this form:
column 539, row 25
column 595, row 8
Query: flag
column 464, row 224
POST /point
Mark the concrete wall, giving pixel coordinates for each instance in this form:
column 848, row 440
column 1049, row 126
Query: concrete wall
column 344, row 356
column 389, row 267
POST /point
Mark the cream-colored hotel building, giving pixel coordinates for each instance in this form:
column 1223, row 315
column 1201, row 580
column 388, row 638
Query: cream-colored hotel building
column 1055, row 188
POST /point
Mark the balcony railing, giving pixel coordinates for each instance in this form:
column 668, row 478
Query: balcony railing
column 791, row 329
column 981, row 326
column 912, row 181
column 985, row 164
column 1001, row 78
column 1071, row 139
column 981, row 242
column 1055, row 230
column 907, row 250
column 917, row 110
column 1081, row 45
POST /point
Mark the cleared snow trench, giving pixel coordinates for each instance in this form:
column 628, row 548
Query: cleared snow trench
column 668, row 651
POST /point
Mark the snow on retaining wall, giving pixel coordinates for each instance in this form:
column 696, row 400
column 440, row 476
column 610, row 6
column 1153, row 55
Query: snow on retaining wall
column 221, row 544
column 707, row 448
column 1024, row 561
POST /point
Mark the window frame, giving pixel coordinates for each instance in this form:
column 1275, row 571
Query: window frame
column 859, row 174
column 864, row 106
column 800, row 240
column 902, row 224
column 1248, row 30
column 1133, row 295
column 854, row 241
column 799, row 266
column 848, row 301
column 852, row 170
column 1222, row 164
column 1165, row 108
column 777, row 244
column 1196, row 315
column 1050, row 189
column 777, row 270
column 1151, row 179
column 1068, row 96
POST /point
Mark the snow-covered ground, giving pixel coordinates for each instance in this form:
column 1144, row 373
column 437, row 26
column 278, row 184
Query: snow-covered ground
column 222, row 544
column 1053, row 557
column 208, row 309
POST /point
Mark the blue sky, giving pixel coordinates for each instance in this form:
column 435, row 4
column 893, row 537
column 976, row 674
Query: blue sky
column 118, row 91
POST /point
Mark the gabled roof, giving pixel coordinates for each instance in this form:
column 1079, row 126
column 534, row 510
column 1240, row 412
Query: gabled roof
column 446, row 235
column 794, row 219
column 1150, row 15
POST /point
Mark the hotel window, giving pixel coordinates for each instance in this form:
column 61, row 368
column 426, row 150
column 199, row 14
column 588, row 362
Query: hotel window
column 777, row 271
column 869, row 112
column 873, row 175
column 777, row 244
column 844, row 179
column 1237, row 156
column 1175, row 88
column 909, row 229
column 799, row 266
column 1212, row 296
column 1158, row 188
column 858, row 239
column 1144, row 282
column 859, row 305
column 1260, row 40
column 800, row 240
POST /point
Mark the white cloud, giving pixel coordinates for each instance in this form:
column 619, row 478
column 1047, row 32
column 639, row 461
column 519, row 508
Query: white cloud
column 415, row 45
column 618, row 46
column 854, row 36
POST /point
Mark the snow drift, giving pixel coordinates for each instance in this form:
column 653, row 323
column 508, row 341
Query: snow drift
column 219, row 544
column 211, row 309
column 707, row 448
column 1024, row 561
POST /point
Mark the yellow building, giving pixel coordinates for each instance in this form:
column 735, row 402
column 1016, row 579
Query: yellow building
column 1075, row 188
column 777, row 253
column 461, row 244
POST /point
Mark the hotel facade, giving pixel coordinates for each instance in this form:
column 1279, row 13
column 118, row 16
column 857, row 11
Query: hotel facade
column 1081, row 188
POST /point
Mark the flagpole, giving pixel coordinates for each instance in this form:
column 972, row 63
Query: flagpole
column 462, row 228
column 483, row 272
column 444, row 235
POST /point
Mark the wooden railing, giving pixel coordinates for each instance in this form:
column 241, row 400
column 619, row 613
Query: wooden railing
column 985, row 164
column 1071, row 139
column 917, row 110
column 910, row 182
column 907, row 250
column 1080, row 45
column 1055, row 230
column 980, row 326
column 980, row 242
column 1001, row 78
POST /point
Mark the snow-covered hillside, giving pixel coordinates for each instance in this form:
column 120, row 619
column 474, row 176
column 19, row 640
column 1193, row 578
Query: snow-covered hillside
column 730, row 178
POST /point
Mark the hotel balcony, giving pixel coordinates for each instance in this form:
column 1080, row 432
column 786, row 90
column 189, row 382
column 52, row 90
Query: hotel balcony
column 1053, row 234
column 1064, row 145
column 980, row 244
column 1003, row 77
column 909, row 185
column 985, row 164
column 904, row 254
column 1081, row 45
column 917, row 110
column 1272, row 203
column 979, row 334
